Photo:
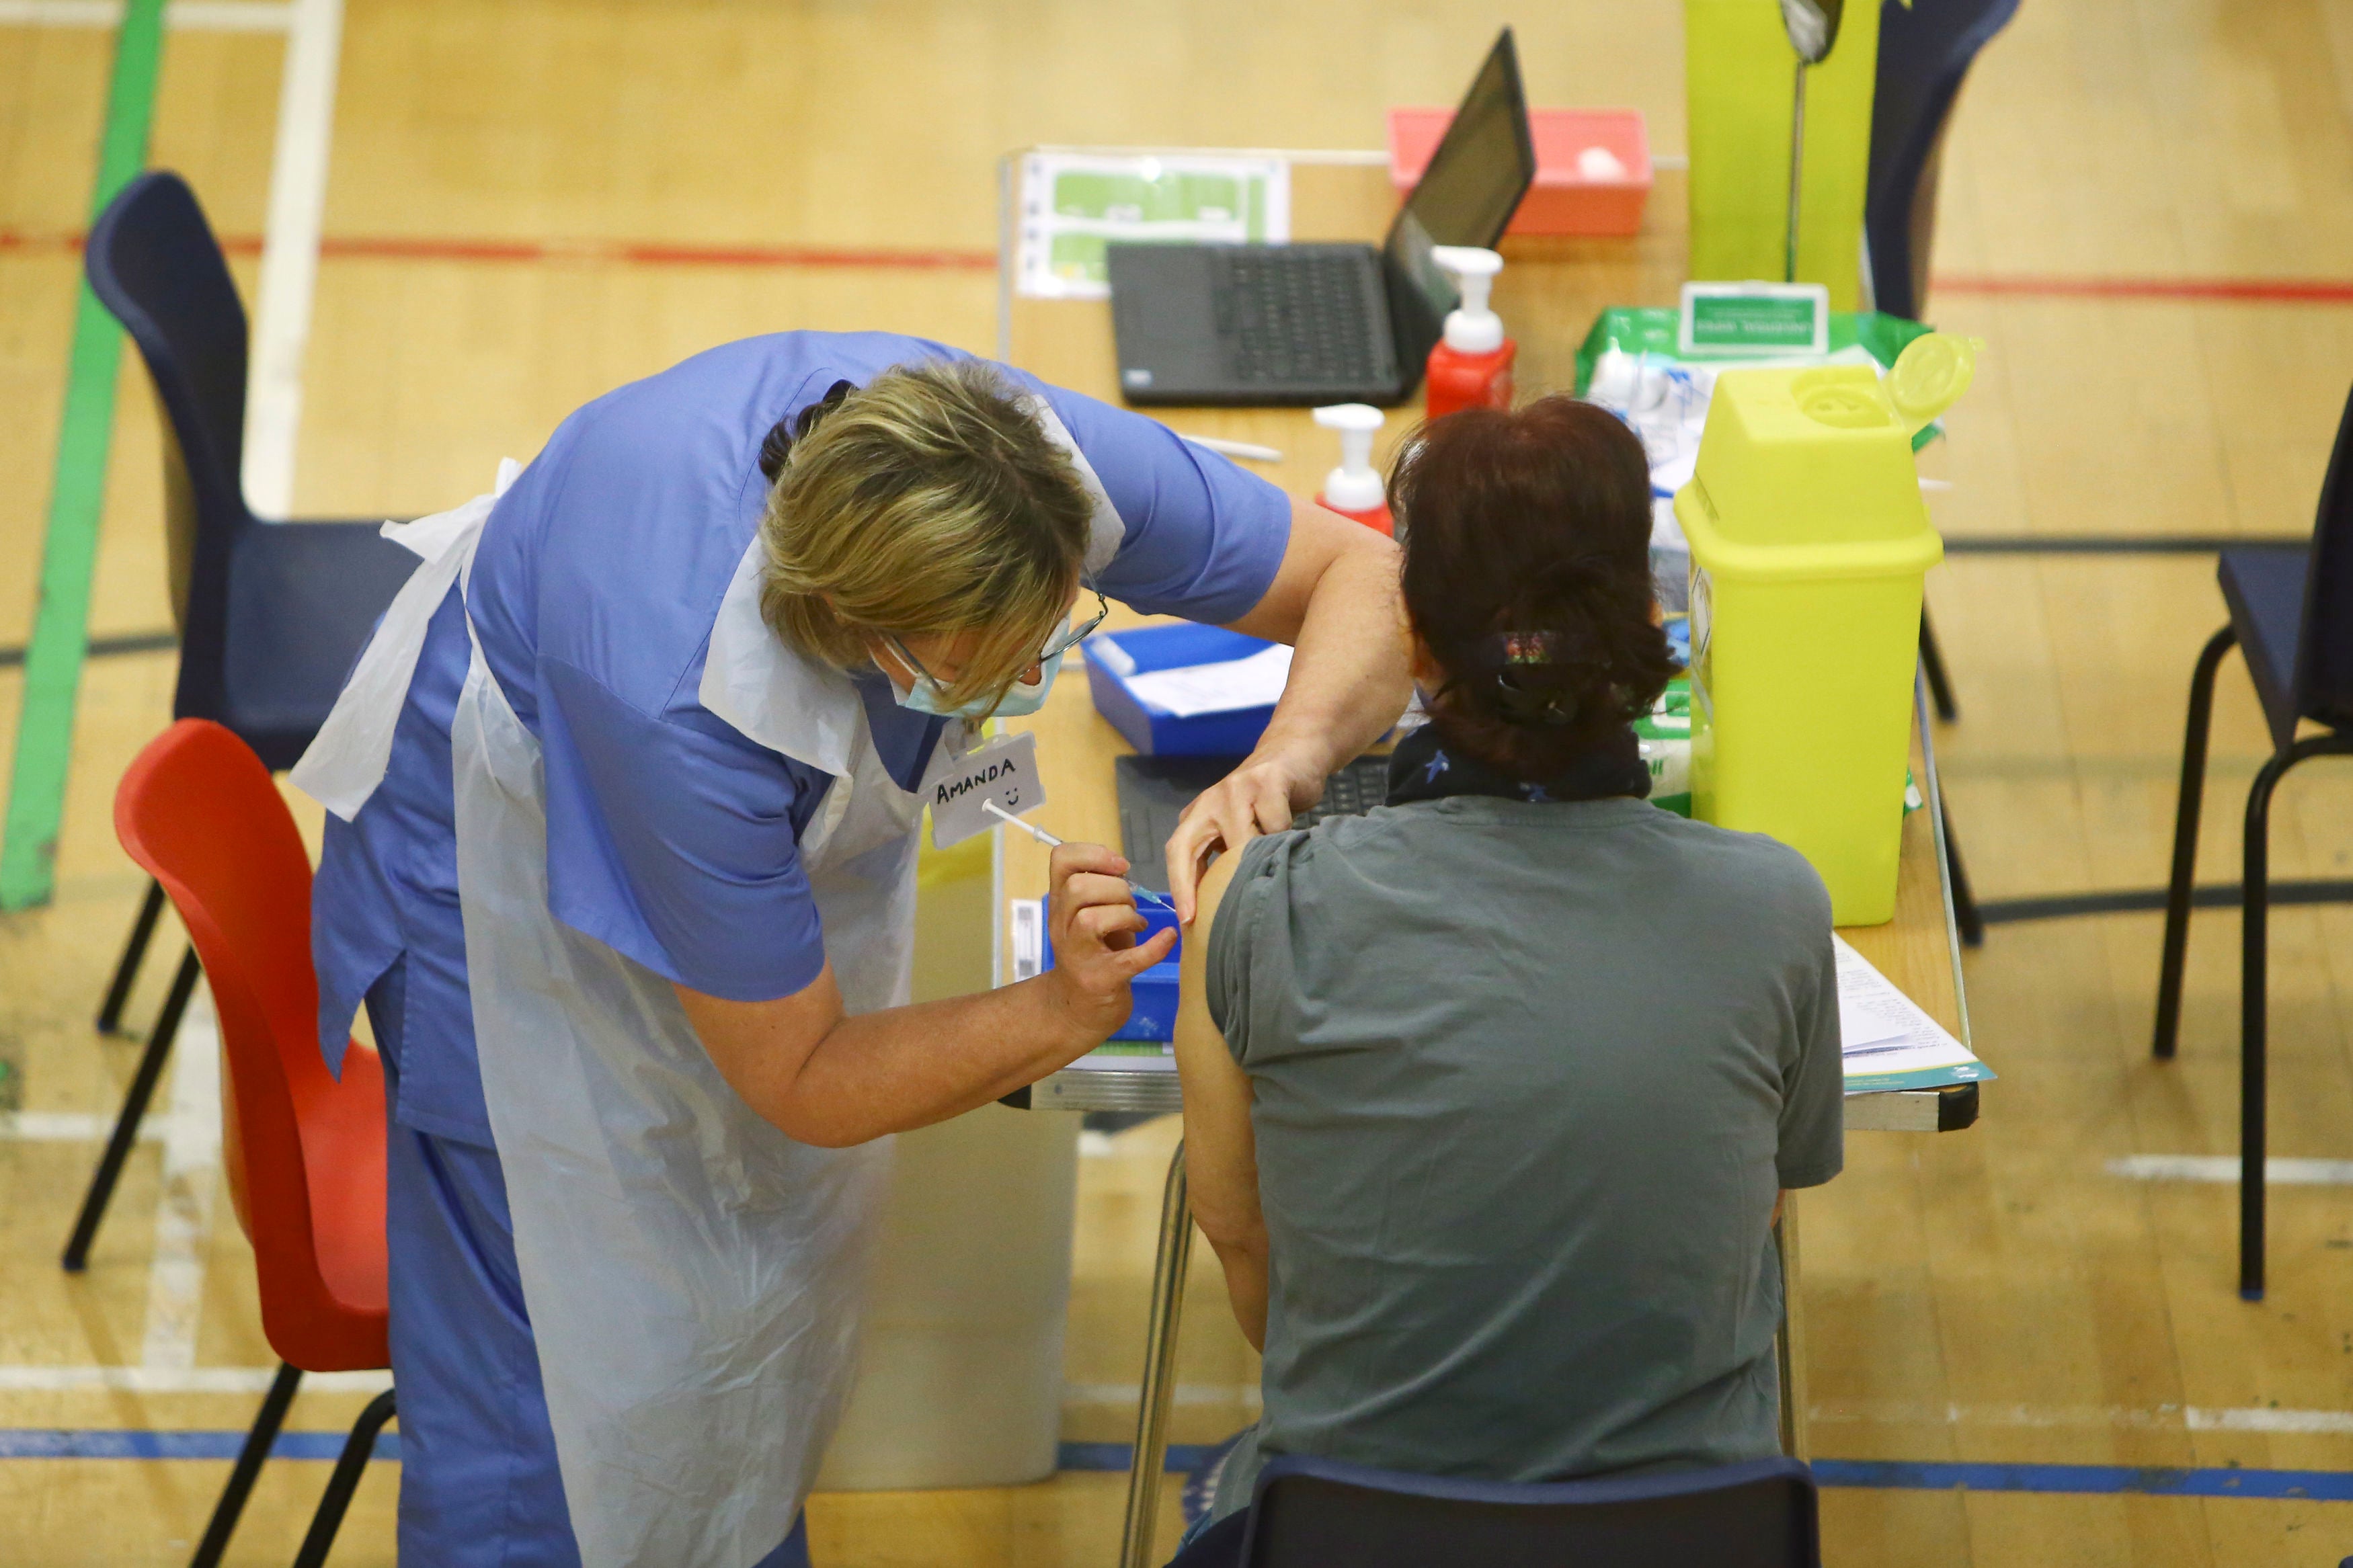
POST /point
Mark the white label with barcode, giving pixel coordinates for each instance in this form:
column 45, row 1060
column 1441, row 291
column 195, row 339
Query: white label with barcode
column 1029, row 938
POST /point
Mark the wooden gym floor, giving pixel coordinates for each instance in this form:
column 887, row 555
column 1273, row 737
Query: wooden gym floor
column 1999, row 1297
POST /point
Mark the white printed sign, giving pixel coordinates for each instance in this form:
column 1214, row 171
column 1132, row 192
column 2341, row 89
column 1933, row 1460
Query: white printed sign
column 1004, row 771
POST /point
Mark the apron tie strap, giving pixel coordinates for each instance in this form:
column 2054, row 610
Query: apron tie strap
column 347, row 759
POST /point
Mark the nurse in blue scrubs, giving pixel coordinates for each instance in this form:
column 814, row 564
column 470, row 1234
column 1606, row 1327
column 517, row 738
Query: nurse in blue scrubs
column 620, row 861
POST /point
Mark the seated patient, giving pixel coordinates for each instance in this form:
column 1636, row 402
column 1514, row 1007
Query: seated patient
column 1491, row 1094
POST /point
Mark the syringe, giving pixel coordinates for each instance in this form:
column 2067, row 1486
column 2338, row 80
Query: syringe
column 1048, row 839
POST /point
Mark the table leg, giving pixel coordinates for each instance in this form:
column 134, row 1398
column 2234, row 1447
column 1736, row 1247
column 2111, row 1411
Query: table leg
column 1151, row 1452
column 1790, row 1344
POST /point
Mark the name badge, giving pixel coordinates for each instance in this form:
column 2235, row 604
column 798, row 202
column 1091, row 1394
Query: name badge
column 1004, row 771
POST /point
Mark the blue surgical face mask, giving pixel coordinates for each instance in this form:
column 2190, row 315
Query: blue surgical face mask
column 1022, row 697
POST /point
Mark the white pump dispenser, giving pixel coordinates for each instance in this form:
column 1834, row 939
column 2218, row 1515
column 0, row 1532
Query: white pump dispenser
column 1473, row 327
column 1353, row 487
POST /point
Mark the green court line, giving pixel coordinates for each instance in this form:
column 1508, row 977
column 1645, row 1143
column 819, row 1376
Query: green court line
column 53, row 659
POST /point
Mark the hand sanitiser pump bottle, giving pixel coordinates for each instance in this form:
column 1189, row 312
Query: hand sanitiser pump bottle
column 1355, row 488
column 1471, row 365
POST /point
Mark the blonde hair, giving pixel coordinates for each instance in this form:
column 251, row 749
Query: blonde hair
column 927, row 503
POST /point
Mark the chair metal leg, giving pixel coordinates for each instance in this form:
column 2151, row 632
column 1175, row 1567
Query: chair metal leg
column 1790, row 1344
column 2254, row 920
column 249, row 1458
column 1931, row 664
column 1150, row 1455
column 134, row 952
column 2185, row 842
column 134, row 1111
column 352, row 1463
column 2254, row 1013
column 1966, row 918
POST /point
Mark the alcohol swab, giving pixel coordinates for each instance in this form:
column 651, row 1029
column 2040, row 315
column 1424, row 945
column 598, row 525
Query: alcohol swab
column 1249, row 449
column 1051, row 842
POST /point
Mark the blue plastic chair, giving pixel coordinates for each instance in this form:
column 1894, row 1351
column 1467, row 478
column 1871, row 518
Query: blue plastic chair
column 2291, row 614
column 272, row 616
column 1310, row 1513
column 1924, row 51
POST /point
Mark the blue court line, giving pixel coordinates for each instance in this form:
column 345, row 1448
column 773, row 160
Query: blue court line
column 67, row 1443
column 1184, row 1459
column 2319, row 1486
column 2089, row 1480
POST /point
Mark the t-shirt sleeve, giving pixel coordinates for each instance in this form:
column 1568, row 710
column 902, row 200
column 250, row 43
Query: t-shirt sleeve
column 675, row 846
column 1813, row 1104
column 1202, row 538
column 1248, row 974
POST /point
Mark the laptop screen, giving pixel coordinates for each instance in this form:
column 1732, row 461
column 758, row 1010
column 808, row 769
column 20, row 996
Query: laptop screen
column 1474, row 182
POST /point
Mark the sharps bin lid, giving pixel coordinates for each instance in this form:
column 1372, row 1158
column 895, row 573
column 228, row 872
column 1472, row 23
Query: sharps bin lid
column 1930, row 375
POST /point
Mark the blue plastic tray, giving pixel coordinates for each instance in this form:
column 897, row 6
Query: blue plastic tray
column 1157, row 734
column 1154, row 1015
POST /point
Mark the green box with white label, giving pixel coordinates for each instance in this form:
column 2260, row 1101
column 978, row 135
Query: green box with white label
column 1754, row 320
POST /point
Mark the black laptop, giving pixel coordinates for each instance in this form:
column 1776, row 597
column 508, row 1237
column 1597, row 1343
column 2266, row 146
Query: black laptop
column 1155, row 791
column 1325, row 324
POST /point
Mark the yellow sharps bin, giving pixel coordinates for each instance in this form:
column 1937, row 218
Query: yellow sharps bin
column 1808, row 542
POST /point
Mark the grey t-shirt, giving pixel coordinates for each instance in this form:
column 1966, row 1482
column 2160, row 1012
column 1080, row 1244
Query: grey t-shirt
column 1527, row 1079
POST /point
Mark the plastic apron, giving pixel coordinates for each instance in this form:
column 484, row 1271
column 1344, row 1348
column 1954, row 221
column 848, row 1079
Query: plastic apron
column 693, row 1275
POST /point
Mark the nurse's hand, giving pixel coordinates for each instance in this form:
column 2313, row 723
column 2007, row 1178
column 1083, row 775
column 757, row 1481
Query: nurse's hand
column 1093, row 922
column 1261, row 796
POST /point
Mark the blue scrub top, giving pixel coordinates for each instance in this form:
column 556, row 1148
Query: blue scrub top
column 671, row 836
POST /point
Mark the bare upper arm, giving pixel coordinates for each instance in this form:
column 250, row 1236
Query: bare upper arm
column 1318, row 538
column 1220, row 1150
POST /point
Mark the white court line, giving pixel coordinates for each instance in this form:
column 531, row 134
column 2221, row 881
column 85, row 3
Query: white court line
column 2264, row 1420
column 1125, row 1395
column 1891, row 1413
column 67, row 1127
column 196, row 16
column 2225, row 1168
column 2160, row 1417
column 180, row 1380
column 290, row 265
column 289, row 255
column 184, row 1197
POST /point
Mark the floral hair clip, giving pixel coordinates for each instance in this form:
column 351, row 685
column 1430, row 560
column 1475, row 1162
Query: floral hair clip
column 1525, row 648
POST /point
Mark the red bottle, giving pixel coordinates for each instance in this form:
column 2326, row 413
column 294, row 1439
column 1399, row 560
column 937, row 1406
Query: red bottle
column 1471, row 368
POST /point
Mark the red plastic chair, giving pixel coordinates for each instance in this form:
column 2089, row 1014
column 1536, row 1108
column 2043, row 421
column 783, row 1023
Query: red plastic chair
column 305, row 1153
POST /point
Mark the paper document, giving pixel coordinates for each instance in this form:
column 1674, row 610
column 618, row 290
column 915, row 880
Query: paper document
column 1253, row 682
column 1072, row 203
column 1887, row 1040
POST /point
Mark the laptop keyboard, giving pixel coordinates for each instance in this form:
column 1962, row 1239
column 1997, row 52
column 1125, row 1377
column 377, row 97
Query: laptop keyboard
column 1297, row 316
column 1155, row 791
column 1353, row 790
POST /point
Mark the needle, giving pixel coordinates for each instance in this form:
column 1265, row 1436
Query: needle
column 1051, row 842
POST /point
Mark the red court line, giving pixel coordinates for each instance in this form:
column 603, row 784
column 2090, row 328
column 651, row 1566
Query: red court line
column 2255, row 290
column 636, row 253
column 649, row 253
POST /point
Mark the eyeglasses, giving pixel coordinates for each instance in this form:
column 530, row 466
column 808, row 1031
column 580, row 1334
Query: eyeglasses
column 1058, row 645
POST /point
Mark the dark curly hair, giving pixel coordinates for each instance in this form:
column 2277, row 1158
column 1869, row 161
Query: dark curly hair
column 1527, row 575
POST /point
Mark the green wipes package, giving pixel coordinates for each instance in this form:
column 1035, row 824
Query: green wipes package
column 1664, row 736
